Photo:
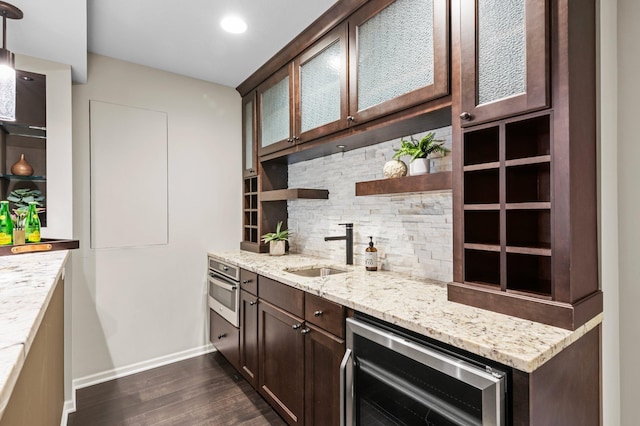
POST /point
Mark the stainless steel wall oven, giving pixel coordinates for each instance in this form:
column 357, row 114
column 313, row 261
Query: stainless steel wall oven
column 393, row 377
column 224, row 290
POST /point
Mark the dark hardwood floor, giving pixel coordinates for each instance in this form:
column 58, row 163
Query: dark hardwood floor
column 204, row 390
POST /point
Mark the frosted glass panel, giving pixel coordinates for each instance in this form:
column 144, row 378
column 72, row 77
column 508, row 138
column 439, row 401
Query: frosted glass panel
column 502, row 49
column 275, row 113
column 248, row 136
column 320, row 88
column 395, row 52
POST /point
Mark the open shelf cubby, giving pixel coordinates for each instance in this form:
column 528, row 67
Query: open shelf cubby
column 481, row 146
column 482, row 187
column 529, row 273
column 527, row 138
column 482, row 267
column 529, row 228
column 528, row 183
column 483, row 227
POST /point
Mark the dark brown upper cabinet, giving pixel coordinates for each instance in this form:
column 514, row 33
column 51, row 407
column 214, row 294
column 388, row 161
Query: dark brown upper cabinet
column 321, row 87
column 249, row 158
column 275, row 111
column 307, row 98
column 504, row 51
column 398, row 56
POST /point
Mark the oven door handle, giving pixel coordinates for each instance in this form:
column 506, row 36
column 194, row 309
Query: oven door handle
column 216, row 280
column 346, row 389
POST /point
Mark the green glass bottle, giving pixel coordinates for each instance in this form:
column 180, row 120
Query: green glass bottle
column 6, row 225
column 32, row 224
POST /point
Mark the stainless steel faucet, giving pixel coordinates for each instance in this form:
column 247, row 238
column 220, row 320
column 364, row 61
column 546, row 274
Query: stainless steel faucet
column 349, row 241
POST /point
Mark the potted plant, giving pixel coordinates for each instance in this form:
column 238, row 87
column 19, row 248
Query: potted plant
column 277, row 240
column 419, row 151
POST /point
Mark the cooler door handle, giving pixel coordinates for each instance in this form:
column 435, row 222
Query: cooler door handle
column 346, row 389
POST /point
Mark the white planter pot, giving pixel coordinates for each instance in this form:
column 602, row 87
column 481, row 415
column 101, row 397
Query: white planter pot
column 276, row 248
column 419, row 166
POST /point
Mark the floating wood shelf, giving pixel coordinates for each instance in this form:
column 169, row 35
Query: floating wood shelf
column 294, row 194
column 420, row 183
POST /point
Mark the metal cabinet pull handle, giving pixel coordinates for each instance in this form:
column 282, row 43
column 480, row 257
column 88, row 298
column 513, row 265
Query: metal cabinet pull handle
column 466, row 116
column 220, row 336
column 317, row 313
column 296, row 139
column 351, row 118
column 305, row 331
column 289, row 140
column 225, row 268
column 254, row 302
column 296, row 326
column 246, row 281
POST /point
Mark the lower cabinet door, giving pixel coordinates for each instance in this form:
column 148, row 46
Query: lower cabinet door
column 323, row 354
column 225, row 337
column 249, row 337
column 281, row 366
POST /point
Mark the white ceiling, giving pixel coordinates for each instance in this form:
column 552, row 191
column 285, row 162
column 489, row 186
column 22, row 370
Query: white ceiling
column 181, row 37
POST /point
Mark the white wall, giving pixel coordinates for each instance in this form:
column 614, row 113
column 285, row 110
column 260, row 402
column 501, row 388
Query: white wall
column 629, row 206
column 132, row 305
column 608, row 210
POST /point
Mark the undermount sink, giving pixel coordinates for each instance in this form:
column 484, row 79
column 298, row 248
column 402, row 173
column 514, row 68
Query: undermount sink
column 315, row 271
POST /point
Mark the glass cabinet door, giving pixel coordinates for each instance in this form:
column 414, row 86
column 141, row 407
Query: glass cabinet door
column 504, row 58
column 321, row 74
column 398, row 55
column 248, row 135
column 275, row 108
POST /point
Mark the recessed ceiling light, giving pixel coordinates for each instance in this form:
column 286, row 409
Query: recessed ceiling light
column 233, row 24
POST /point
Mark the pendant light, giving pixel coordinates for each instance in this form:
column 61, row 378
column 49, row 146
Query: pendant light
column 7, row 66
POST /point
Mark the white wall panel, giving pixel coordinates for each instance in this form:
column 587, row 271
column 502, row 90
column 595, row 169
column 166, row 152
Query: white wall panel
column 128, row 176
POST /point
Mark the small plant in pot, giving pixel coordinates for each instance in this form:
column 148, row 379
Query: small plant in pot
column 277, row 240
column 419, row 151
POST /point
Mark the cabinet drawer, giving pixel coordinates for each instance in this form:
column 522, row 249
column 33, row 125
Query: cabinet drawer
column 281, row 295
column 225, row 337
column 325, row 314
column 249, row 281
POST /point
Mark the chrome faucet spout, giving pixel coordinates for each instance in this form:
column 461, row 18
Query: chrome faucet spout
column 349, row 241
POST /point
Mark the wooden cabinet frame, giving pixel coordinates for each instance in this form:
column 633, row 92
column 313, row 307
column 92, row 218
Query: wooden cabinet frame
column 284, row 72
column 252, row 171
column 440, row 86
column 536, row 95
column 337, row 35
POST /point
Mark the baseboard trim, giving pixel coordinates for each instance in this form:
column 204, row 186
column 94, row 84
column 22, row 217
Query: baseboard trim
column 116, row 373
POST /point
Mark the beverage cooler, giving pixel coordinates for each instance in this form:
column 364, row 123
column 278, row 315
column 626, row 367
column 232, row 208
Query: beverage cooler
column 393, row 377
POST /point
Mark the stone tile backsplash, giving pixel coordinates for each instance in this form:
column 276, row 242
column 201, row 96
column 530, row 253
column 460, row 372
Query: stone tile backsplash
column 413, row 232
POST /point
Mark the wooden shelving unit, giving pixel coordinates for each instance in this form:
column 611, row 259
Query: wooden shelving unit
column 250, row 216
column 294, row 194
column 420, row 183
column 507, row 206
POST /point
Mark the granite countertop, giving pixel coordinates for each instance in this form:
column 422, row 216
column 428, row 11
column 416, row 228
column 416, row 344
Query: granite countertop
column 421, row 306
column 27, row 282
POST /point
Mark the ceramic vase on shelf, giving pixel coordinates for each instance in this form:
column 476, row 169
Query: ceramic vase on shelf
column 394, row 168
column 277, row 248
column 419, row 166
column 21, row 167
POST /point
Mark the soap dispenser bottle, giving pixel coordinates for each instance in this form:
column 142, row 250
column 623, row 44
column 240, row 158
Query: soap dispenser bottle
column 371, row 257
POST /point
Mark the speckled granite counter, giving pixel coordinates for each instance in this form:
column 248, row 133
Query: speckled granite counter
column 421, row 306
column 27, row 282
